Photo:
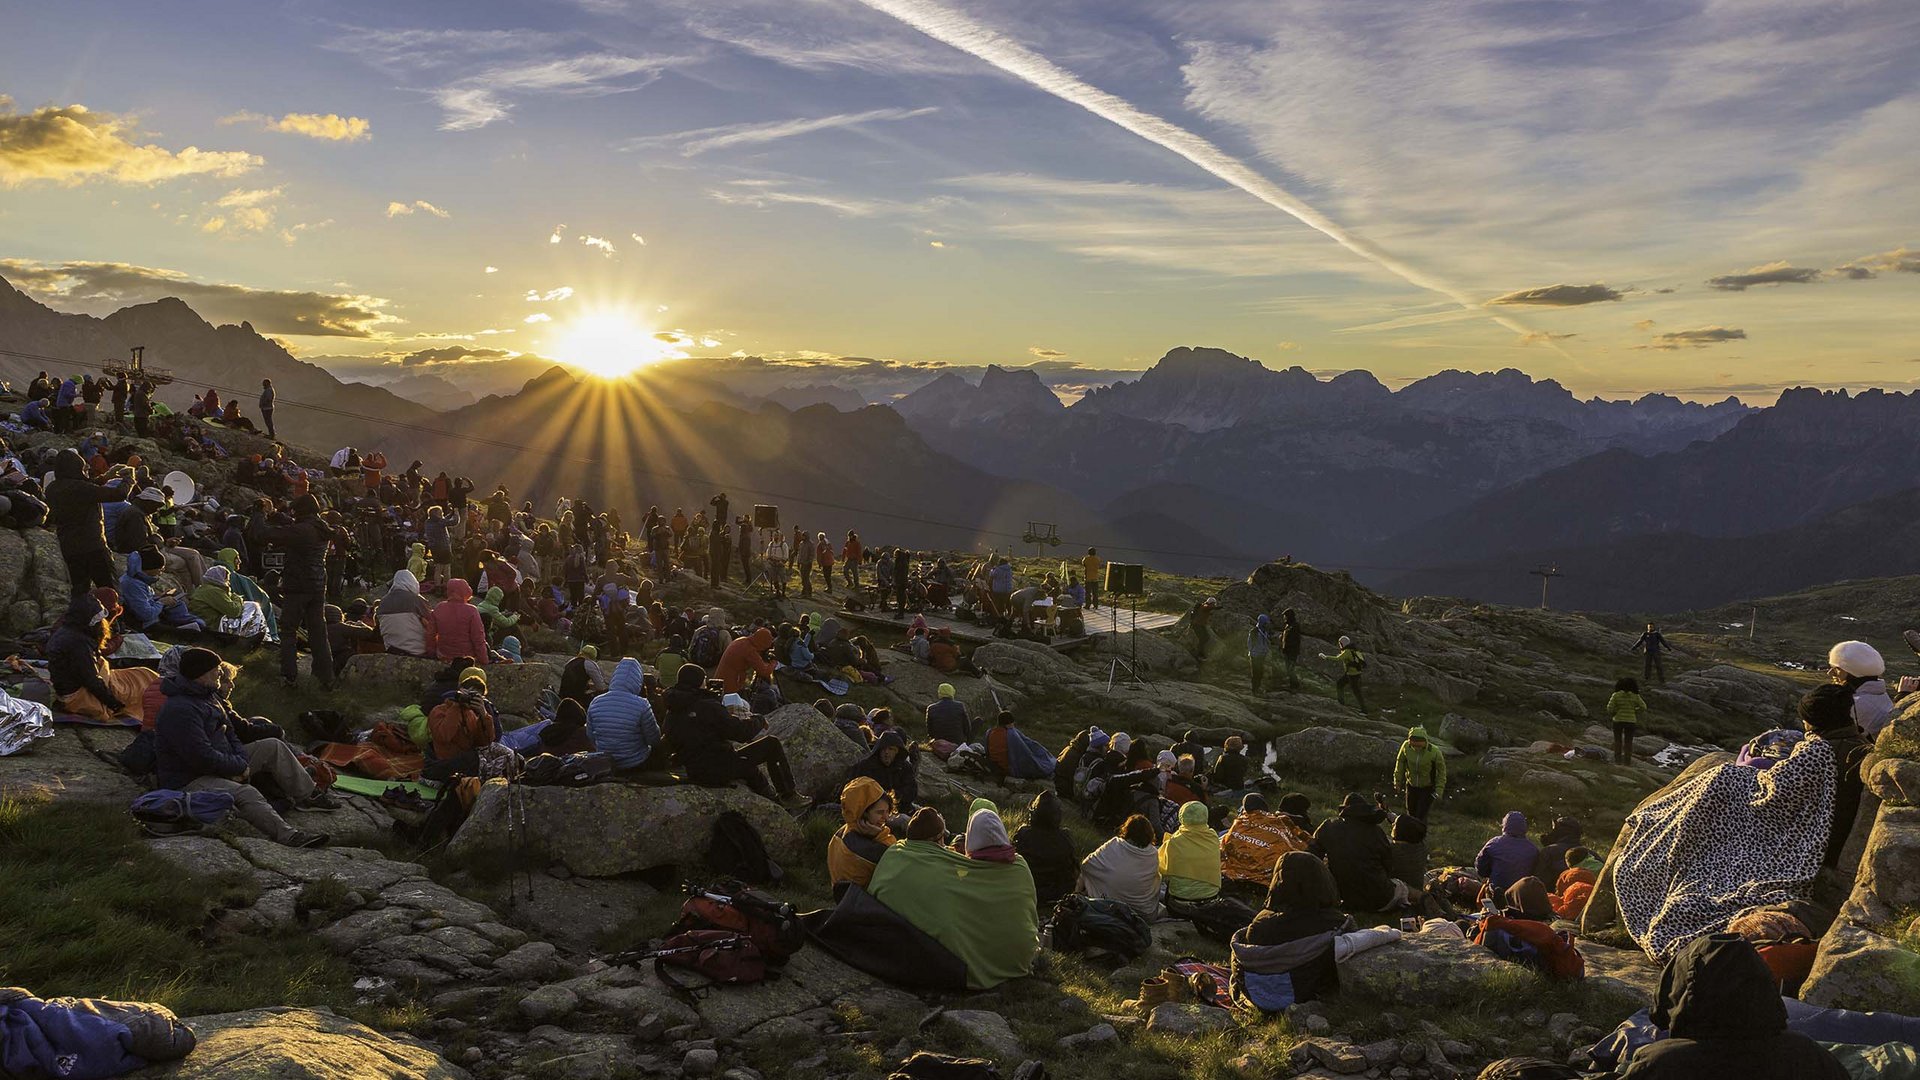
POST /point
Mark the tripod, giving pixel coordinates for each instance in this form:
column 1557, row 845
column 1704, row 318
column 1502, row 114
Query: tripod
column 1130, row 665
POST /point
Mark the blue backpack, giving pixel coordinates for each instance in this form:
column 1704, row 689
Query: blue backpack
column 165, row 812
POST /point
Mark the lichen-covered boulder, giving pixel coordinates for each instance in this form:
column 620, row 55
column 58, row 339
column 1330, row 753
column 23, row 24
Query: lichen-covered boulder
column 818, row 752
column 1332, row 750
column 1859, row 969
column 609, row 829
column 300, row 1044
column 513, row 688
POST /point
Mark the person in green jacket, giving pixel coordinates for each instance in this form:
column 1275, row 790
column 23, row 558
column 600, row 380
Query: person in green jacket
column 1419, row 773
column 1352, row 663
column 493, row 610
column 1625, row 706
column 224, row 611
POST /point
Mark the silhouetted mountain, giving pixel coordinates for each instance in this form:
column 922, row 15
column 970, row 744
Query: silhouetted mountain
column 799, row 397
column 1002, row 394
column 232, row 358
column 434, row 391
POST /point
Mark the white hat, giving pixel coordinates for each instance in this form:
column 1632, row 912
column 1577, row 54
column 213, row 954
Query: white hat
column 1857, row 658
column 1345, row 641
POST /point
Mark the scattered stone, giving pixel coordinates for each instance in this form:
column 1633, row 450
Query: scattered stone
column 818, row 752
column 1333, row 750
column 548, row 1004
column 1093, row 1036
column 1382, row 1053
column 1175, row 1018
column 700, row 1061
column 1561, row 703
column 1469, row 735
column 530, row 962
column 1561, row 1026
column 989, row 1029
column 1340, row 1057
column 1859, row 969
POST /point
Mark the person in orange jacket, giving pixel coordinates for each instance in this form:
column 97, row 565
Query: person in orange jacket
column 744, row 658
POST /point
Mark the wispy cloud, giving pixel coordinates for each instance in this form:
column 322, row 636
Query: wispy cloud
column 72, row 144
column 102, row 286
column 538, row 317
column 1898, row 261
column 1041, row 352
column 400, row 209
column 1560, row 295
column 1776, row 273
column 963, row 33
column 535, row 296
column 330, row 127
column 1694, row 339
column 705, row 140
column 604, row 246
column 488, row 96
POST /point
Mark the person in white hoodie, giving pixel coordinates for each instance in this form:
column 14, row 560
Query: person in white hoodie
column 403, row 617
column 1125, row 868
column 1859, row 667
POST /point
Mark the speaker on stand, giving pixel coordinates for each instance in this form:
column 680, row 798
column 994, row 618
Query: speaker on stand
column 1129, row 580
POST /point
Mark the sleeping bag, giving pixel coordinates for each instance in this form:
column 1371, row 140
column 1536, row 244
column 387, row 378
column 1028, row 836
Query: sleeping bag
column 84, row 1038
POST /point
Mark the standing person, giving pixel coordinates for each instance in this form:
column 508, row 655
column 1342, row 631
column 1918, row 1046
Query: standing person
column 266, row 406
column 1290, row 646
column 1090, row 571
column 1625, row 707
column 1201, row 619
column 719, row 553
column 119, row 392
column 73, row 507
column 745, row 543
column 902, row 567
column 1420, row 773
column 803, row 555
column 1654, row 646
column 776, row 553
column 823, row 554
column 141, row 403
column 304, row 583
column 850, row 556
column 1259, row 644
column 1352, row 663
column 719, row 504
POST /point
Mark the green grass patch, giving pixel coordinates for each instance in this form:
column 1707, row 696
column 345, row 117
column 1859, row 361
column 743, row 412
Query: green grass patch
column 87, row 910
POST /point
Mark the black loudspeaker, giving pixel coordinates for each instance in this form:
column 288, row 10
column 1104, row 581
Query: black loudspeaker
column 766, row 517
column 1126, row 579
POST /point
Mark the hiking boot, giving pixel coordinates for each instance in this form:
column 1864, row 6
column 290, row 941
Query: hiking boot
column 300, row 838
column 1912, row 638
column 320, row 800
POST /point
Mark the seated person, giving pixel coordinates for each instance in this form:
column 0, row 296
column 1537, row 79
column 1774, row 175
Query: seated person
column 920, row 645
column 621, row 722
column 857, row 845
column 404, row 617
column 582, row 678
column 1257, row 840
column 1291, row 951
column 1360, row 857
column 500, row 618
column 1190, row 858
column 1574, row 887
column 1527, row 899
column 1508, row 857
column 345, row 637
column 464, row 721
column 1186, row 784
column 148, row 608
column 947, row 718
column 890, row 764
column 1125, row 868
column 1409, row 851
column 509, row 650
column 704, row 735
column 1135, row 790
column 997, row 736
column 248, row 589
column 980, row 911
column 83, row 683
column 457, row 629
column 1048, row 848
column 199, row 750
column 744, row 656
column 942, row 654
column 1561, row 836
column 987, row 839
column 565, row 734
column 1230, row 769
column 1724, row 1016
column 215, row 604
column 763, row 695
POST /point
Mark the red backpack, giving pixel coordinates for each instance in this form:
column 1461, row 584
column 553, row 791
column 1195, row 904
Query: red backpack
column 722, row 956
column 771, row 924
column 1535, row 944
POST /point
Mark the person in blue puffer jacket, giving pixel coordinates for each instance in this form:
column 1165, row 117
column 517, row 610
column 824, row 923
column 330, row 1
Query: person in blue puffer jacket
column 621, row 721
column 146, row 608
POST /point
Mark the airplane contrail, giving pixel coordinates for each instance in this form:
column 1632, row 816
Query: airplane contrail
column 960, row 32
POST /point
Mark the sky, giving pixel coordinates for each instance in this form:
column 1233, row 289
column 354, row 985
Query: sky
column 1693, row 197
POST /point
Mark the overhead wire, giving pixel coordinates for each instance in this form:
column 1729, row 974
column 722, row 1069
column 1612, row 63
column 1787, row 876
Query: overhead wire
column 864, row 511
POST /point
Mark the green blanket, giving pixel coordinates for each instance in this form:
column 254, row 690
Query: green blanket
column 362, row 785
column 982, row 912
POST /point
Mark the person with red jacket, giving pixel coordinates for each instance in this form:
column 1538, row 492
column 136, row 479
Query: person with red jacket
column 743, row 658
column 850, row 559
column 456, row 625
column 823, row 554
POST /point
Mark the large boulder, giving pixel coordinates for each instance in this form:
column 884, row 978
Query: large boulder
column 1442, row 973
column 1332, row 750
column 1723, row 689
column 609, row 829
column 1859, row 969
column 1889, row 877
column 1895, row 780
column 1026, row 663
column 1560, row 703
column 300, row 1044
column 819, row 752
column 64, row 767
column 513, row 688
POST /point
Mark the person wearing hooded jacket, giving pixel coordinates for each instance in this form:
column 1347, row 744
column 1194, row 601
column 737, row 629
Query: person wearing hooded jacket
column 621, row 721
column 1507, row 857
column 1859, row 667
column 890, row 764
column 1190, row 858
column 1125, row 868
column 1826, row 713
column 146, row 608
column 1561, row 837
column 1360, row 856
column 1721, row 1007
column 704, row 733
column 1259, row 646
column 742, row 658
column 1420, row 772
column 303, row 582
column 199, row 750
column 455, row 627
column 73, row 509
column 1292, row 949
column 858, row 844
column 83, row 684
column 404, row 618
column 1047, row 846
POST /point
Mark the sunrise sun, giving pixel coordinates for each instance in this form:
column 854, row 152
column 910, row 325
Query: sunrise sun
column 611, row 344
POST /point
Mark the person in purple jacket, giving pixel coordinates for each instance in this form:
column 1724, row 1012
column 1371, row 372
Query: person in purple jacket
column 1508, row 857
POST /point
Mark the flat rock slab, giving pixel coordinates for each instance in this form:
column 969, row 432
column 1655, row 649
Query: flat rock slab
column 64, row 768
column 300, row 1044
column 1443, row 973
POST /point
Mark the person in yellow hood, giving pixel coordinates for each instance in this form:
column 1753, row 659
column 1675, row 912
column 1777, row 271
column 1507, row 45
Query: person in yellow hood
column 417, row 562
column 1190, row 857
column 858, row 845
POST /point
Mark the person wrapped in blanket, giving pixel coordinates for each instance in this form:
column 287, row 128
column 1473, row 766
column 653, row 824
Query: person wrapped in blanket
column 979, row 906
column 85, row 1037
column 1291, row 951
column 83, row 683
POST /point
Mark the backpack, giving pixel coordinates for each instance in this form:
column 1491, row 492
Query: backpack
column 724, row 957
column 768, row 922
column 738, row 852
column 706, row 648
column 1084, row 923
column 165, row 812
column 1219, row 918
column 573, row 770
column 1535, row 944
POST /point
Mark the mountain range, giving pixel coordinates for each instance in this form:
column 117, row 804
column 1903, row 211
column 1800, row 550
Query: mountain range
column 1455, row 484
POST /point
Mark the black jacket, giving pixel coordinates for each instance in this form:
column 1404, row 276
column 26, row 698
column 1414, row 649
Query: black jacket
column 71, row 651
column 1290, row 640
column 899, row 778
column 73, row 505
column 1723, row 1009
column 1359, row 856
column 947, row 719
column 195, row 736
column 305, row 541
column 1048, row 849
column 703, row 732
column 1230, row 771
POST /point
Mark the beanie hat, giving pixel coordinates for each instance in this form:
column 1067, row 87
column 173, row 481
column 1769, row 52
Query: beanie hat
column 197, row 662
column 926, row 824
column 946, row 689
column 1121, row 742
column 1296, row 804
column 1827, row 708
column 1857, row 658
column 1166, row 760
column 1096, row 739
column 474, row 673
column 589, row 652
